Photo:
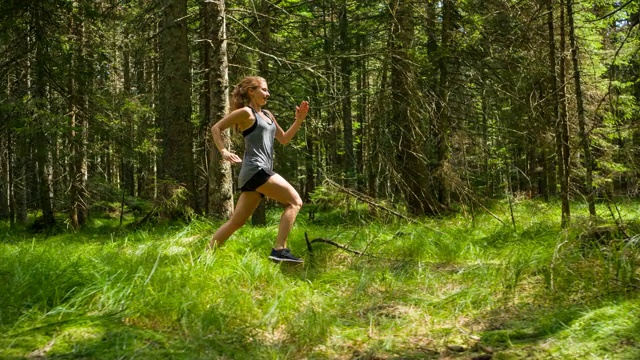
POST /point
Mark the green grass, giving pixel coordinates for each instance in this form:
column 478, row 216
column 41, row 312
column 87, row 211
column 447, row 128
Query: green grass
column 533, row 292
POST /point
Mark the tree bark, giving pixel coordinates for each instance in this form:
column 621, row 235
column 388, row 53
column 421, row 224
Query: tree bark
column 5, row 183
column 555, row 108
column 174, row 115
column 12, row 194
column 442, row 105
column 635, row 176
column 220, row 177
column 127, row 170
column 331, row 129
column 40, row 137
column 345, row 78
column 22, row 147
column 144, row 169
column 563, row 128
column 362, row 89
column 584, row 136
column 312, row 157
column 78, row 120
column 406, row 128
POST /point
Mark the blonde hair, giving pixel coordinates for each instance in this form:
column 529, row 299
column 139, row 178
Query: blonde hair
column 239, row 94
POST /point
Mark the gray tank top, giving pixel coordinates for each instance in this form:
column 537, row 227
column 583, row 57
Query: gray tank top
column 258, row 147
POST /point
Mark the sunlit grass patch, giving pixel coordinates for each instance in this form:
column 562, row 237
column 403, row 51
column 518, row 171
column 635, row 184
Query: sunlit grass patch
column 88, row 337
column 610, row 331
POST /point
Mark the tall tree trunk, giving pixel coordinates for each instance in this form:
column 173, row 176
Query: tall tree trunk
column 204, row 111
column 265, row 38
column 406, row 126
column 311, row 165
column 5, row 183
column 331, row 133
column 555, row 107
column 375, row 178
column 485, row 141
column 127, row 171
column 635, row 176
column 220, row 177
column 20, row 179
column 432, row 42
column 40, row 138
column 174, row 114
column 310, row 183
column 12, row 194
column 362, row 116
column 143, row 170
column 584, row 136
column 345, row 75
column 7, row 207
column 311, row 156
column 146, row 85
column 557, row 120
column 78, row 117
column 442, row 105
column 22, row 148
column 155, row 69
column 563, row 126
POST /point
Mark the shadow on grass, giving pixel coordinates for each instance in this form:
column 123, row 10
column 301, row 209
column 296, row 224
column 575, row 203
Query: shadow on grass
column 110, row 337
column 506, row 326
column 569, row 331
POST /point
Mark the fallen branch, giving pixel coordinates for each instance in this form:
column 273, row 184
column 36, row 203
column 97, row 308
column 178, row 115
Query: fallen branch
column 366, row 199
column 330, row 242
column 488, row 211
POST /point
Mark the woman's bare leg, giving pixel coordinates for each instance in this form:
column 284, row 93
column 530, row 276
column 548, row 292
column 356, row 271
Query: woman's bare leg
column 277, row 188
column 247, row 203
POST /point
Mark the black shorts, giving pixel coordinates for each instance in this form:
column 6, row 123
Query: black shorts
column 257, row 180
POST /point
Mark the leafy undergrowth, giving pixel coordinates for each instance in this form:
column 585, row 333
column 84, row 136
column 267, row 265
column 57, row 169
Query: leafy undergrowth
column 463, row 287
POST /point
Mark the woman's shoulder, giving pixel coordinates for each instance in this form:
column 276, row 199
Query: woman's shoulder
column 241, row 115
column 241, row 118
column 243, row 110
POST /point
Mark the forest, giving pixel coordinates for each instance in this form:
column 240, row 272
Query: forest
column 470, row 172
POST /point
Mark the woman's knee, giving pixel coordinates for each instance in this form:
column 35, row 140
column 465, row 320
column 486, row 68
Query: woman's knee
column 296, row 203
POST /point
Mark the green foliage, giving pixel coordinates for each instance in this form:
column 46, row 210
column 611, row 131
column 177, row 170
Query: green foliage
column 325, row 198
column 172, row 203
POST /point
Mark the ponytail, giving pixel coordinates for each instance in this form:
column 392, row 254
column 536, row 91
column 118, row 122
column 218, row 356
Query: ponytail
column 237, row 98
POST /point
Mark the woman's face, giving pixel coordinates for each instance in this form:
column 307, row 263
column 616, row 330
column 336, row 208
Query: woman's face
column 260, row 94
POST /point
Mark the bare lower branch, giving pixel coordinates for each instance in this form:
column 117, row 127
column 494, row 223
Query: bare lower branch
column 366, row 199
column 331, row 242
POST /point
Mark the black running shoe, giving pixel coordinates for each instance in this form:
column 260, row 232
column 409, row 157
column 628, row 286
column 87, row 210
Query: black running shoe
column 284, row 255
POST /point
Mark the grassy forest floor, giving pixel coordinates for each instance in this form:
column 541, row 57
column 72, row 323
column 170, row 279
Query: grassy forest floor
column 459, row 287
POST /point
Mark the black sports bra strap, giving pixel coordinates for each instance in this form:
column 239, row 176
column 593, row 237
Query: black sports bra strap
column 266, row 113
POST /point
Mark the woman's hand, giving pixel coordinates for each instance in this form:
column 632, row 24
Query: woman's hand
column 302, row 110
column 230, row 157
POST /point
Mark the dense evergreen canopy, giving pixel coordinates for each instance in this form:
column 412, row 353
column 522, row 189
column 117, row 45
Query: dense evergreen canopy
column 433, row 105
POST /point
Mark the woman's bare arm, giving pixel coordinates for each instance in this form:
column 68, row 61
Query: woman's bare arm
column 240, row 118
column 301, row 113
